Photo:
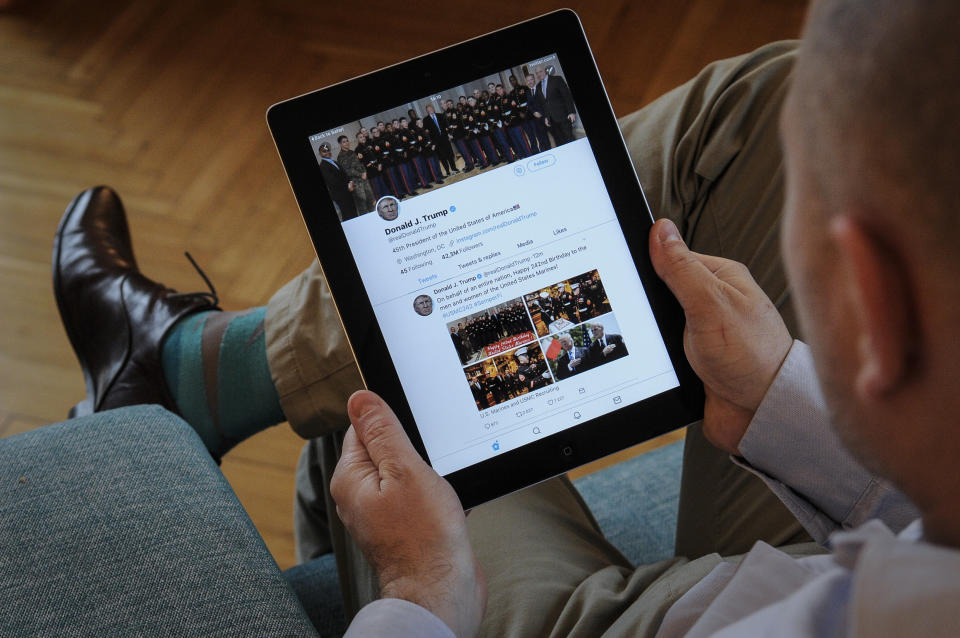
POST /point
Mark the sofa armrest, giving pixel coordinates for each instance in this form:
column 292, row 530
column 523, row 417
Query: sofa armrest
column 120, row 523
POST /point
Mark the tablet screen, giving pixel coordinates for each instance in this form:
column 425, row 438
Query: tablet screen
column 494, row 261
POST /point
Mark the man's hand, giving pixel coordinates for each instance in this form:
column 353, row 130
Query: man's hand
column 735, row 339
column 406, row 519
column 571, row 117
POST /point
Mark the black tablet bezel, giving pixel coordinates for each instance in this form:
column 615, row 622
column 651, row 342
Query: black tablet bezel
column 293, row 121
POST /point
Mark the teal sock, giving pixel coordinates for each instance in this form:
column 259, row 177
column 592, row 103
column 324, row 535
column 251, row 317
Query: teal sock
column 225, row 393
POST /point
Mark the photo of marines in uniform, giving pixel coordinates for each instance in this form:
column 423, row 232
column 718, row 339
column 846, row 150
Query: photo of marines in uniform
column 491, row 331
column 566, row 303
column 454, row 134
column 508, row 376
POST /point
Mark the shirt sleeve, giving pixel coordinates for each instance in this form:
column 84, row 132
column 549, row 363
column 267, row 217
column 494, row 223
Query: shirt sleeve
column 396, row 617
column 790, row 445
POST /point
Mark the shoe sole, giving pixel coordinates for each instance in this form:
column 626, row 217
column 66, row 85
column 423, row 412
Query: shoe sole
column 87, row 405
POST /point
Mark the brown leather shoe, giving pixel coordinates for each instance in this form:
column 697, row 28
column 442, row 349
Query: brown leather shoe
column 115, row 317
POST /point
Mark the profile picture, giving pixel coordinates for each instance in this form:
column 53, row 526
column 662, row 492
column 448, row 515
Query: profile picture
column 388, row 208
column 423, row 304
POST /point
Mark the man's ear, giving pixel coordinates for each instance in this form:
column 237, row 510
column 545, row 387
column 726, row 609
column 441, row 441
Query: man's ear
column 876, row 283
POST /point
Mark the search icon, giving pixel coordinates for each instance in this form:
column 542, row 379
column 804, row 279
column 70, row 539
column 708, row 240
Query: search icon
column 536, row 429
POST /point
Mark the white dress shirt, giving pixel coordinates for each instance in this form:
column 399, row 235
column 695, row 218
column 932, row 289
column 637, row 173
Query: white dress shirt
column 881, row 579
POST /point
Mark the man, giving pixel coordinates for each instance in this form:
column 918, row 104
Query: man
column 370, row 157
column 457, row 133
column 479, row 391
column 391, row 158
column 521, row 94
column 596, row 294
column 494, row 128
column 568, row 303
column 872, row 290
column 352, row 166
column 417, row 149
column 436, row 125
column 495, row 385
column 529, row 374
column 423, row 304
column 572, row 360
column 603, row 347
column 458, row 345
column 402, row 157
column 471, row 121
column 536, row 108
column 430, row 151
column 338, row 184
column 870, row 287
column 511, row 385
column 483, row 133
column 559, row 111
column 389, row 209
column 383, row 182
column 512, row 119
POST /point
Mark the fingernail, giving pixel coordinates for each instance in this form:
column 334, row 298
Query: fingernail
column 361, row 404
column 667, row 232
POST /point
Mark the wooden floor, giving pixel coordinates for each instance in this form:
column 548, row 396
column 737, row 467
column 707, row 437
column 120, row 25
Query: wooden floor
column 164, row 100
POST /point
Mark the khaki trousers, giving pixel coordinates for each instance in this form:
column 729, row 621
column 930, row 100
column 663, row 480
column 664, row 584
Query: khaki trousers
column 708, row 156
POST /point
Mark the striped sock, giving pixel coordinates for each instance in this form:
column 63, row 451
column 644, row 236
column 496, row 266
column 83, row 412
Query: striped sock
column 215, row 365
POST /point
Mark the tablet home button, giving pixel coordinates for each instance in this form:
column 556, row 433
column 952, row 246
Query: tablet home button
column 567, row 450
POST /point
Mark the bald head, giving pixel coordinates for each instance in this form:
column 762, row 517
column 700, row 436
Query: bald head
column 877, row 99
column 870, row 227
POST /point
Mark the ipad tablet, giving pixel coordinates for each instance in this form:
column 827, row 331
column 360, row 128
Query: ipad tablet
column 483, row 232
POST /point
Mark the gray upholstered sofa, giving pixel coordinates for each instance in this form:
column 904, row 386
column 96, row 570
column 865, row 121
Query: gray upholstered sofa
column 121, row 524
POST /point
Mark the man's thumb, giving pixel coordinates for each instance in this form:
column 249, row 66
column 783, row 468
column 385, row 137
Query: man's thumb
column 378, row 428
column 679, row 268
